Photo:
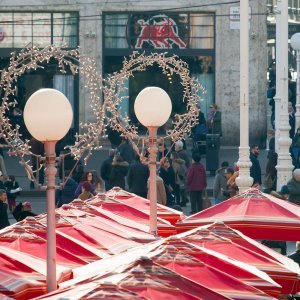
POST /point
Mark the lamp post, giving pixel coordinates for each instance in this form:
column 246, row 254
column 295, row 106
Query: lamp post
column 153, row 107
column 244, row 181
column 48, row 116
column 295, row 43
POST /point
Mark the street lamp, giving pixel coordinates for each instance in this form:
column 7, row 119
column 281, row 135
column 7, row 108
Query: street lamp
column 153, row 107
column 48, row 117
column 295, row 43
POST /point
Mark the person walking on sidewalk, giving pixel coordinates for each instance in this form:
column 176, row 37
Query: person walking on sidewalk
column 3, row 210
column 196, row 183
column 255, row 170
column 220, row 184
column 12, row 190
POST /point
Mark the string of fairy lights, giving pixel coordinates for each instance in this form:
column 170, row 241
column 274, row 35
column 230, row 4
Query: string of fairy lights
column 105, row 97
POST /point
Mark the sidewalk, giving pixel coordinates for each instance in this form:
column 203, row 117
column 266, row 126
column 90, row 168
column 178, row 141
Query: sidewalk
column 13, row 167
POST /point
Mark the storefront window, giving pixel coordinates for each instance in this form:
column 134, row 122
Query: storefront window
column 159, row 31
column 23, row 29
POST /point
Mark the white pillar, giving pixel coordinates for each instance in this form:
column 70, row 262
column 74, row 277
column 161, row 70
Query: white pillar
column 297, row 115
column 284, row 165
column 244, row 181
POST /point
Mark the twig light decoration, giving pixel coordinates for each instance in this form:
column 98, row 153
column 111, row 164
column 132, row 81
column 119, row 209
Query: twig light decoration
column 192, row 89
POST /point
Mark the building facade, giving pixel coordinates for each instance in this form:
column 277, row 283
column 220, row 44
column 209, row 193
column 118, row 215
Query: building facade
column 203, row 34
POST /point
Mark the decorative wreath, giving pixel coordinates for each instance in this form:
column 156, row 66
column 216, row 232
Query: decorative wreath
column 33, row 59
column 114, row 88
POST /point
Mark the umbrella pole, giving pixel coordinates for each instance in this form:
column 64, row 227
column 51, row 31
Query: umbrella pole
column 51, row 221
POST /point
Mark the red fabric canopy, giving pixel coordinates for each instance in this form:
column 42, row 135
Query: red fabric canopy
column 143, row 204
column 257, row 215
column 287, row 278
column 243, row 272
column 182, row 263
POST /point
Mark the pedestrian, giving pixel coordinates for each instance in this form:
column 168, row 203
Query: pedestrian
column 119, row 171
column 2, row 165
column 255, row 170
column 182, row 153
column 162, row 151
column 214, row 118
column 294, row 187
column 126, row 150
column 231, row 186
column 283, row 194
column 1, row 181
column 168, row 178
column 98, row 183
column 86, row 191
column 179, row 170
column 292, row 120
column 196, row 183
column 296, row 148
column 114, row 137
column 161, row 194
column 3, row 210
column 105, row 169
column 270, row 178
column 87, row 176
column 220, row 184
column 295, row 256
column 137, row 177
column 12, row 190
column 22, row 211
column 65, row 194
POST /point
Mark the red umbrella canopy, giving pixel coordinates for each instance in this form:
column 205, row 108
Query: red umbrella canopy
column 18, row 286
column 288, row 279
column 95, row 218
column 20, row 270
column 191, row 268
column 19, row 238
column 63, row 241
column 129, row 215
column 257, row 215
column 68, row 223
column 221, row 229
column 248, row 274
column 153, row 281
column 93, row 290
column 143, row 204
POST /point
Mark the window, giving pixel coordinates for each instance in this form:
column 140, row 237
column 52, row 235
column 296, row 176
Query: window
column 22, row 29
column 159, row 31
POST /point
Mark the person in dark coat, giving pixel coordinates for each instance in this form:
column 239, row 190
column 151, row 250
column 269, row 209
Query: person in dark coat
column 119, row 171
column 295, row 256
column 166, row 175
column 294, row 187
column 12, row 190
column 66, row 194
column 22, row 211
column 106, row 169
column 196, row 183
column 255, row 170
column 1, row 181
column 126, row 150
column 137, row 177
column 3, row 210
